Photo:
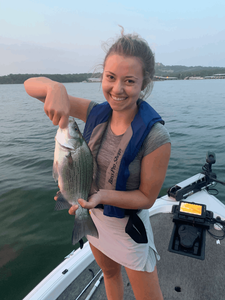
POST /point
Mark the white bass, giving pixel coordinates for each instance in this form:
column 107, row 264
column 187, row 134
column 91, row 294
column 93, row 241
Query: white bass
column 73, row 169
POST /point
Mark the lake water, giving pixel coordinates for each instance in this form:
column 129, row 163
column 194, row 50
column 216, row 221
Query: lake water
column 33, row 238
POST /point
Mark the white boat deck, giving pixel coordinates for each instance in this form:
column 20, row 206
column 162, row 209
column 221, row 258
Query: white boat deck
column 181, row 277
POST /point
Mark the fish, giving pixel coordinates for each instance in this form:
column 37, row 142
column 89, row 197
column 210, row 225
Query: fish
column 73, row 169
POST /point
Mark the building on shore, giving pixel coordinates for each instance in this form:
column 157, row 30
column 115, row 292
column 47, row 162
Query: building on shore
column 215, row 76
column 195, row 78
column 210, row 77
column 219, row 76
column 158, row 78
column 94, row 80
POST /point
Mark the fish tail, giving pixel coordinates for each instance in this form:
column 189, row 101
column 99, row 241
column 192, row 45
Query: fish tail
column 83, row 227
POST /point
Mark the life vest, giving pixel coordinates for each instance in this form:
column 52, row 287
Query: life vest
column 118, row 170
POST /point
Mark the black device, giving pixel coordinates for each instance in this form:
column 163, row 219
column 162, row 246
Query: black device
column 189, row 231
column 191, row 220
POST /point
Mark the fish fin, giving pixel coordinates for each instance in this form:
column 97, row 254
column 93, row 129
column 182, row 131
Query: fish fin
column 61, row 203
column 82, row 228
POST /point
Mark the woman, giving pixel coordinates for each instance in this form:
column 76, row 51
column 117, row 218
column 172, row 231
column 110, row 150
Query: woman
column 132, row 150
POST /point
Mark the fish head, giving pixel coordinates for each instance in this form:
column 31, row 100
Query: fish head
column 67, row 141
column 69, row 137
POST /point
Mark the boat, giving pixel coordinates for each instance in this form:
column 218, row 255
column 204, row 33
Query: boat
column 189, row 229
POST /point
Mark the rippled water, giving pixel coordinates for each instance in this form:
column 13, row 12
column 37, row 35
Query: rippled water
column 34, row 238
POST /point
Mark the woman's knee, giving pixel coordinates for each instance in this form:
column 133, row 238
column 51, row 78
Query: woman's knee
column 111, row 271
column 109, row 267
column 145, row 285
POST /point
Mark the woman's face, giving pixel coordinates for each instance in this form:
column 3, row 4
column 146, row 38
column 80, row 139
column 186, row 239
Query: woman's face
column 122, row 82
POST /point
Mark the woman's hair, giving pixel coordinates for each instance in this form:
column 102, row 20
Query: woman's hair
column 134, row 45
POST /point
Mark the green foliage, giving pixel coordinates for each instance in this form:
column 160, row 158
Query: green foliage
column 20, row 78
column 182, row 71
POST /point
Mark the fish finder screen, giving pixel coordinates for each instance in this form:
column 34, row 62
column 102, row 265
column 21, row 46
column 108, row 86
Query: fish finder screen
column 190, row 208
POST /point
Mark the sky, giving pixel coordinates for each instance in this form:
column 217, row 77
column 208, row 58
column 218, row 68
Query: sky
column 62, row 36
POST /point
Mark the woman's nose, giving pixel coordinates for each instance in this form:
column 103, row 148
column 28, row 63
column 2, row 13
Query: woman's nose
column 118, row 87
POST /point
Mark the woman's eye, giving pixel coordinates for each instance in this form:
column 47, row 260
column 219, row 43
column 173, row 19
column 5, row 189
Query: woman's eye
column 110, row 77
column 130, row 81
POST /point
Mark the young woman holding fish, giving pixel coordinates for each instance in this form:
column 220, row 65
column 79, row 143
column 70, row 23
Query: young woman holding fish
column 132, row 150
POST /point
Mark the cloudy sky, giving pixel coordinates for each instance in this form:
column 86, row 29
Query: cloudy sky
column 65, row 36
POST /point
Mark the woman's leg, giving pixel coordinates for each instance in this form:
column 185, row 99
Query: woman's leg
column 112, row 275
column 145, row 285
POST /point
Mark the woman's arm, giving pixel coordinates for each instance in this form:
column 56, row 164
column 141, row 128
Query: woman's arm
column 153, row 172
column 58, row 105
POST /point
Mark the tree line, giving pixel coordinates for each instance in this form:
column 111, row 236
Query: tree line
column 63, row 78
column 172, row 71
column 182, row 71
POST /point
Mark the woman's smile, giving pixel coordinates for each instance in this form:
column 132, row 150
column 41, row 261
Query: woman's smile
column 116, row 98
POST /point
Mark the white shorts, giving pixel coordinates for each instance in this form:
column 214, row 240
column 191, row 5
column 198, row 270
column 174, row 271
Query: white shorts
column 115, row 243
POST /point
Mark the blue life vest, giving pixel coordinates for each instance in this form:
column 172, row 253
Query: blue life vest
column 141, row 125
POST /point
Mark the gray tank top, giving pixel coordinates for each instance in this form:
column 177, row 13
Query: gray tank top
column 157, row 137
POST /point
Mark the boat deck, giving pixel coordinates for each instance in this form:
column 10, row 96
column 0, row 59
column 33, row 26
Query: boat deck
column 181, row 277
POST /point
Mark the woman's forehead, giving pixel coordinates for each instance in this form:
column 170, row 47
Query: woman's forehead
column 123, row 64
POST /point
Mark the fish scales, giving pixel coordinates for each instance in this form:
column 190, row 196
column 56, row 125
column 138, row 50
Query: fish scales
column 73, row 168
column 80, row 172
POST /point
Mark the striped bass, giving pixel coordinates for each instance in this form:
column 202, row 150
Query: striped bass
column 73, row 169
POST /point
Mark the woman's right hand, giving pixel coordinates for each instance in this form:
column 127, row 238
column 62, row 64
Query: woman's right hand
column 57, row 104
column 54, row 96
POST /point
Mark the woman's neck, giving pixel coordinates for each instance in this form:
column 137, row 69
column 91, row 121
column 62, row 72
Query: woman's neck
column 120, row 121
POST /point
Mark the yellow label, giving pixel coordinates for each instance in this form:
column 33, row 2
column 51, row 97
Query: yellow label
column 191, row 208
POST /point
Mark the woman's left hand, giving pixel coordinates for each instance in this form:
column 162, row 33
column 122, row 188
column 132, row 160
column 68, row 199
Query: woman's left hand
column 92, row 202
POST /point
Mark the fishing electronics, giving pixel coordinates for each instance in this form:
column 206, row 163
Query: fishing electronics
column 189, row 231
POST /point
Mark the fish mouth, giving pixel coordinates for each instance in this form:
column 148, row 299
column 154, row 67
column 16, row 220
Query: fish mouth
column 63, row 144
column 63, row 139
column 118, row 98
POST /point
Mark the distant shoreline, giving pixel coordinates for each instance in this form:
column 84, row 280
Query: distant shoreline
column 161, row 73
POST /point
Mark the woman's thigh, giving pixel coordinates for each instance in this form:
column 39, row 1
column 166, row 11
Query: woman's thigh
column 109, row 267
column 145, row 285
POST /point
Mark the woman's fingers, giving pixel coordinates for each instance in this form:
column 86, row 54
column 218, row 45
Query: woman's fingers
column 57, row 105
column 91, row 203
column 63, row 122
column 72, row 210
column 57, row 195
column 82, row 202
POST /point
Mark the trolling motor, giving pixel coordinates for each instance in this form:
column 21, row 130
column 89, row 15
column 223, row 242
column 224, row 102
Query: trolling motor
column 207, row 168
column 202, row 181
